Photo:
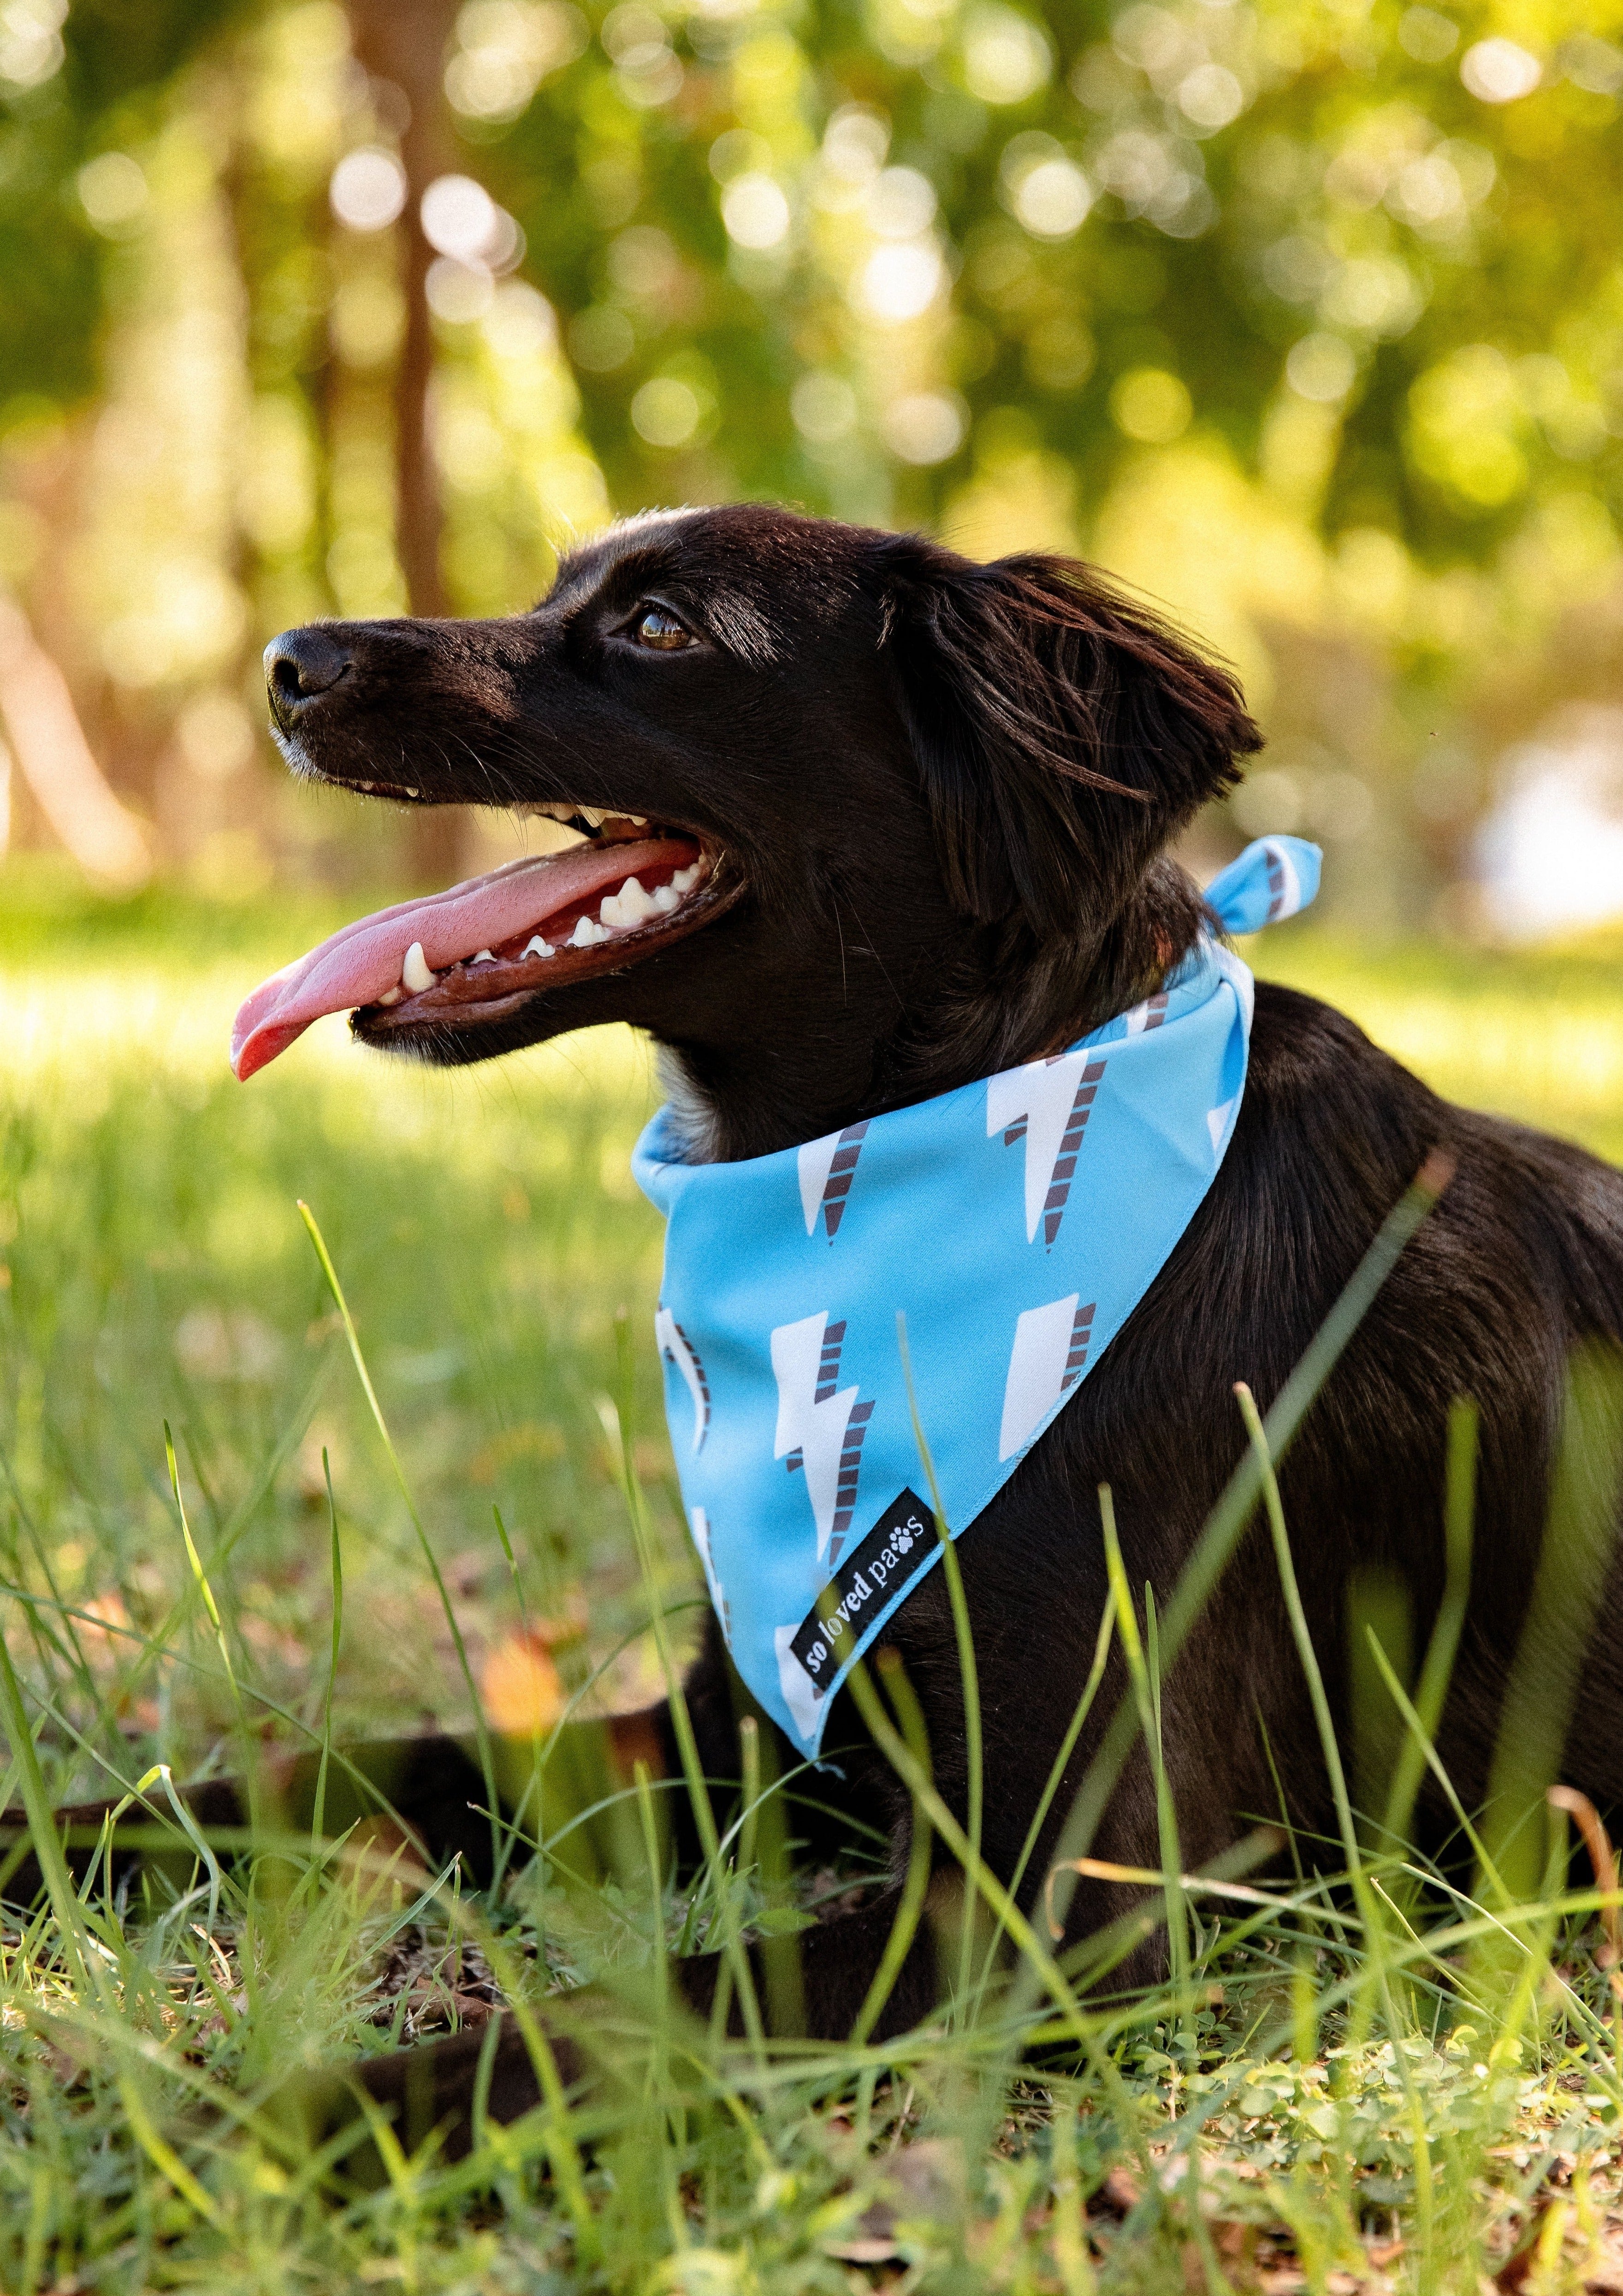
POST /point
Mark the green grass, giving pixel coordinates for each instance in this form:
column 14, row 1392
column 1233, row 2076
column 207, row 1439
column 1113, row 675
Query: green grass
column 1536, row 1036
column 1362, row 2104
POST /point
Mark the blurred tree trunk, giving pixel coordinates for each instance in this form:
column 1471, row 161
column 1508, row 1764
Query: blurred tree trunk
column 404, row 42
column 56, row 761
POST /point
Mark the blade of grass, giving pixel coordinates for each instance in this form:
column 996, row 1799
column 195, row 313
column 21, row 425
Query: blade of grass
column 916, row 1778
column 1146, row 1694
column 910, row 1904
column 200, row 1580
column 161, row 1774
column 1302, row 1634
column 540, row 1743
column 749, row 1756
column 1423, row 1738
column 1230, row 1518
column 780, row 1951
column 162, row 2154
column 42, row 1826
column 658, row 2076
column 1437, row 1669
column 481, row 1730
column 969, row 1675
column 704, row 1815
column 1575, row 1560
column 1067, row 2234
column 1538, row 1919
column 156, row 1645
column 318, row 1813
column 1369, row 1907
column 1083, row 1706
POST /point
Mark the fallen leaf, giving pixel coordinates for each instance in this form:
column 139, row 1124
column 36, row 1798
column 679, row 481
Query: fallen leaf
column 1516, row 2269
column 1235, row 2240
column 1120, row 2193
column 520, row 1687
column 921, row 2183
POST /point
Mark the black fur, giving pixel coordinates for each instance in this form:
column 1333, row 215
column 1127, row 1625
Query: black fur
column 942, row 793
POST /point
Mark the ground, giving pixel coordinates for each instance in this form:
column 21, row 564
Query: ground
column 1362, row 2106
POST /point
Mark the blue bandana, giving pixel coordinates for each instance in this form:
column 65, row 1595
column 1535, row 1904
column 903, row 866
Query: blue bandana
column 1015, row 1224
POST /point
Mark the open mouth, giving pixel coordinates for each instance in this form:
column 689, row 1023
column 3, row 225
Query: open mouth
column 475, row 952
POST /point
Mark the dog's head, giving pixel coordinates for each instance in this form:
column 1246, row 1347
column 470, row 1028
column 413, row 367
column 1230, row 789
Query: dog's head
column 856, row 812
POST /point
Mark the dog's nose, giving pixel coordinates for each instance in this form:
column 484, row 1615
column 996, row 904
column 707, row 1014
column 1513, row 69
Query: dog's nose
column 300, row 667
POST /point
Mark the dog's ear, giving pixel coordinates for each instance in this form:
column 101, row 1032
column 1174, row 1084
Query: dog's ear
column 1063, row 734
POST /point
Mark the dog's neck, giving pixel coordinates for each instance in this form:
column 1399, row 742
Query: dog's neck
column 697, row 1128
column 1001, row 999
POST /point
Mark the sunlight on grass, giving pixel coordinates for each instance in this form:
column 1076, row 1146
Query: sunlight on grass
column 1537, row 1037
column 1386, row 2088
column 485, row 1221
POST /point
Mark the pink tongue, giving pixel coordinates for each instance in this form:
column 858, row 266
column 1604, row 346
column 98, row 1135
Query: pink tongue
column 360, row 961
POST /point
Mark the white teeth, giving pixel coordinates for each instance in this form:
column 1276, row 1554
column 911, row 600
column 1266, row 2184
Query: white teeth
column 633, row 905
column 415, row 974
column 537, row 946
column 390, row 996
column 593, row 816
column 483, row 956
column 414, row 792
column 554, row 812
column 586, row 934
column 637, row 820
column 629, row 908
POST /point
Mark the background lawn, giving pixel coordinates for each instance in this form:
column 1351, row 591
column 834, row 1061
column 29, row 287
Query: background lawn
column 487, row 1232
column 1301, row 317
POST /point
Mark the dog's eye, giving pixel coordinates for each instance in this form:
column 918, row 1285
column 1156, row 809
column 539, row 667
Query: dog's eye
column 659, row 629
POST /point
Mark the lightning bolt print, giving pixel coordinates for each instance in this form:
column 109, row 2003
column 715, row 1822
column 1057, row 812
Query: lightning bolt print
column 827, row 1169
column 821, row 1424
column 673, row 1342
column 1046, row 1104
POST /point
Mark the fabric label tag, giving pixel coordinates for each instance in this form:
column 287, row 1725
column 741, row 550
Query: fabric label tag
column 889, row 1558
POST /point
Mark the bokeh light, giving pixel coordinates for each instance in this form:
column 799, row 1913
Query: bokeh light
column 368, row 190
column 1151, row 406
column 1499, row 71
column 1305, row 321
column 665, row 412
column 925, row 426
column 460, row 218
column 755, row 211
column 113, row 191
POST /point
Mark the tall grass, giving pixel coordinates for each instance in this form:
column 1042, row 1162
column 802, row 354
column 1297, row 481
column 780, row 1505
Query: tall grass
column 1360, row 2072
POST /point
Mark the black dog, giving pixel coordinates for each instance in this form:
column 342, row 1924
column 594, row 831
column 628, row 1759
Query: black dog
column 921, row 808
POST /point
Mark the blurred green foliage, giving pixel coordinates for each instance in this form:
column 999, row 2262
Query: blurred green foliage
column 1240, row 199
column 1320, row 197
column 73, row 82
column 1305, row 316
